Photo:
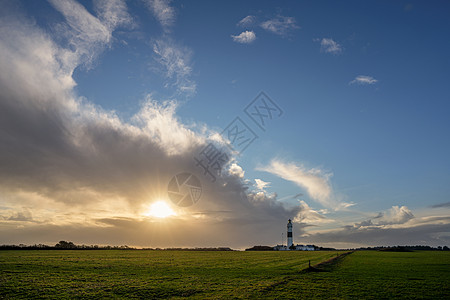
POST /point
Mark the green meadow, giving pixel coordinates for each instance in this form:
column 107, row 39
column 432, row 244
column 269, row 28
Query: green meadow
column 146, row 274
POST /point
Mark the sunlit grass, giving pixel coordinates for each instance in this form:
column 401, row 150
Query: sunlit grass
column 226, row 275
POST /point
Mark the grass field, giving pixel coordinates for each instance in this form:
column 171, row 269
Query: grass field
column 179, row 274
column 375, row 275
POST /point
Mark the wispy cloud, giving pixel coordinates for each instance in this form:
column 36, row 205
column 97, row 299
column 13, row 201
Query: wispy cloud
column 328, row 45
column 113, row 13
column 247, row 21
column 439, row 205
column 87, row 33
column 310, row 216
column 176, row 62
column 174, row 59
column 245, row 37
column 280, row 25
column 83, row 31
column 314, row 181
column 163, row 12
column 363, row 80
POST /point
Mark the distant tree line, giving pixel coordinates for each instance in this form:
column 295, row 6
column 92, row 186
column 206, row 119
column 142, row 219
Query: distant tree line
column 260, row 248
column 196, row 249
column 271, row 248
column 64, row 245
column 405, row 248
column 378, row 248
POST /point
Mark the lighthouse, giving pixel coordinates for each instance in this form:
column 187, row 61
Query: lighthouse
column 289, row 234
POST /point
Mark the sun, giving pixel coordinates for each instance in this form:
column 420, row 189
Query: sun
column 160, row 209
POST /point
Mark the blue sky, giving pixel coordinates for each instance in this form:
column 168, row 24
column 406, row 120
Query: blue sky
column 363, row 137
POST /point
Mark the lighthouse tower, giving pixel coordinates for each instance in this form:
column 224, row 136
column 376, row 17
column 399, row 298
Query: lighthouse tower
column 289, row 234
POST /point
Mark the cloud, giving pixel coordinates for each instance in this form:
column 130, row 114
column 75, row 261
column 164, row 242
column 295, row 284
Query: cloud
column 314, row 181
column 261, row 185
column 363, row 80
column 396, row 226
column 310, row 216
column 174, row 59
column 87, row 175
column 83, row 31
column 280, row 25
column 113, row 13
column 327, row 45
column 163, row 12
column 247, row 21
column 23, row 216
column 176, row 63
column 396, row 215
column 439, row 205
column 246, row 37
column 158, row 121
column 236, row 170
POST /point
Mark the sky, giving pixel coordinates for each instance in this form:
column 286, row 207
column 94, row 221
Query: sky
column 156, row 123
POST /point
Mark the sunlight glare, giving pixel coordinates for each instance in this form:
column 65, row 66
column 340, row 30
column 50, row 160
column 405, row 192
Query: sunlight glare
column 160, row 209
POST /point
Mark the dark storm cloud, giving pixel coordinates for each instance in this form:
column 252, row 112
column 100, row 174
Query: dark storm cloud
column 60, row 147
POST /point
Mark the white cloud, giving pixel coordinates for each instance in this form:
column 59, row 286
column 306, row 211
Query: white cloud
column 363, row 79
column 395, row 215
column 314, row 181
column 261, row 185
column 327, row 45
column 280, row 25
column 246, row 37
column 236, row 170
column 176, row 62
column 162, row 10
column 159, row 122
column 310, row 216
column 261, row 197
column 247, row 21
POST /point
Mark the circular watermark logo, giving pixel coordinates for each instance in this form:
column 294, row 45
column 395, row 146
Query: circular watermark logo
column 184, row 189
